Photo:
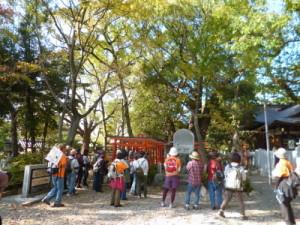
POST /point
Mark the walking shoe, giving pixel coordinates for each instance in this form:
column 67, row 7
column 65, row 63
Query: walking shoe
column 58, row 205
column 187, row 207
column 221, row 213
column 163, row 204
column 196, row 207
column 244, row 217
column 171, row 205
column 44, row 200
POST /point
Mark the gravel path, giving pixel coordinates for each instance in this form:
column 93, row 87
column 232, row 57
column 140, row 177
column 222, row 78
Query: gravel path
column 89, row 207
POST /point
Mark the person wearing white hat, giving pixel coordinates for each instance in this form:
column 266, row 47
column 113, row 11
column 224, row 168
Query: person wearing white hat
column 281, row 172
column 195, row 171
column 172, row 168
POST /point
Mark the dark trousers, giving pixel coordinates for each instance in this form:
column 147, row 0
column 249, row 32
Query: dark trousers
column 141, row 181
column 287, row 212
column 98, row 182
column 228, row 196
column 85, row 176
column 79, row 177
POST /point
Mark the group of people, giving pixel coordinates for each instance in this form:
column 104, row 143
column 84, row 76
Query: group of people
column 129, row 171
column 71, row 171
column 228, row 181
column 219, row 179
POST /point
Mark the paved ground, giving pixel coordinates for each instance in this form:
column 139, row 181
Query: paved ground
column 93, row 208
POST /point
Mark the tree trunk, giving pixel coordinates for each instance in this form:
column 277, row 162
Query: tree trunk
column 126, row 107
column 60, row 126
column 75, row 119
column 86, row 140
column 45, row 131
column 13, row 130
column 104, row 124
column 30, row 120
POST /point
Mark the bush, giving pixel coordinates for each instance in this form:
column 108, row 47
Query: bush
column 247, row 187
column 151, row 173
column 17, row 165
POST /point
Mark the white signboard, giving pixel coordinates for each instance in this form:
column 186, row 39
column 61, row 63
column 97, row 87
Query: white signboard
column 54, row 155
column 183, row 140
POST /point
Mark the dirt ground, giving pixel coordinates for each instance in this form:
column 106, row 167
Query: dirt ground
column 89, row 207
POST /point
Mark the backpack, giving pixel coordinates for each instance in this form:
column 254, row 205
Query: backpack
column 171, row 165
column 112, row 171
column 218, row 176
column 233, row 178
column 139, row 172
column 69, row 166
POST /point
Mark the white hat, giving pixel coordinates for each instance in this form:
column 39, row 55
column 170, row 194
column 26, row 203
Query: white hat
column 173, row 151
column 195, row 155
column 281, row 153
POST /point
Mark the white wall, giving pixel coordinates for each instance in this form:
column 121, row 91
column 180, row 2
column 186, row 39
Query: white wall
column 261, row 161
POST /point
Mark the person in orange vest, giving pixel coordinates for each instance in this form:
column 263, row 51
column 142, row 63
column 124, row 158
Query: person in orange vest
column 58, row 174
column 172, row 168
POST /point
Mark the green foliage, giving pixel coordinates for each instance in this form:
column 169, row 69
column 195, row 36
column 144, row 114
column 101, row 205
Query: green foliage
column 151, row 173
column 17, row 164
column 247, row 186
column 4, row 133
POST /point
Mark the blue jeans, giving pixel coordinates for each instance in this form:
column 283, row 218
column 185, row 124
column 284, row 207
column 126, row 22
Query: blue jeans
column 196, row 189
column 71, row 178
column 123, row 193
column 57, row 189
column 133, row 186
column 215, row 191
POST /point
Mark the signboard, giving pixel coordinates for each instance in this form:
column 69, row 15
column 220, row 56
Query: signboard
column 183, row 140
column 54, row 155
column 36, row 180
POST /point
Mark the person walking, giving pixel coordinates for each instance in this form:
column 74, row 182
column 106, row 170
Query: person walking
column 195, row 171
column 215, row 187
column 284, row 193
column 234, row 176
column 72, row 171
column 172, row 166
column 141, row 168
column 57, row 178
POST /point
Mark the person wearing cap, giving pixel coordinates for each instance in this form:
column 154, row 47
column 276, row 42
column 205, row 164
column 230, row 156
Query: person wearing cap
column 72, row 171
column 281, row 173
column 214, row 189
column 172, row 166
column 195, row 171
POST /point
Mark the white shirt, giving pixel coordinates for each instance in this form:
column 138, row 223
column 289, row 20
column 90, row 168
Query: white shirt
column 143, row 163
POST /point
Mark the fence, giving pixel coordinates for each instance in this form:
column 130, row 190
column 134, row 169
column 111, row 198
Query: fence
column 261, row 160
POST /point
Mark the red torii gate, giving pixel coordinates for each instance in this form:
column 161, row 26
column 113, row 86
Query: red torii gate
column 153, row 148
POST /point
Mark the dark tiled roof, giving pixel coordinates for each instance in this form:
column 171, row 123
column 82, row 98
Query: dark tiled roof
column 289, row 115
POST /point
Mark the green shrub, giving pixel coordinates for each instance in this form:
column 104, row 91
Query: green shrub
column 247, row 187
column 151, row 173
column 17, row 164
